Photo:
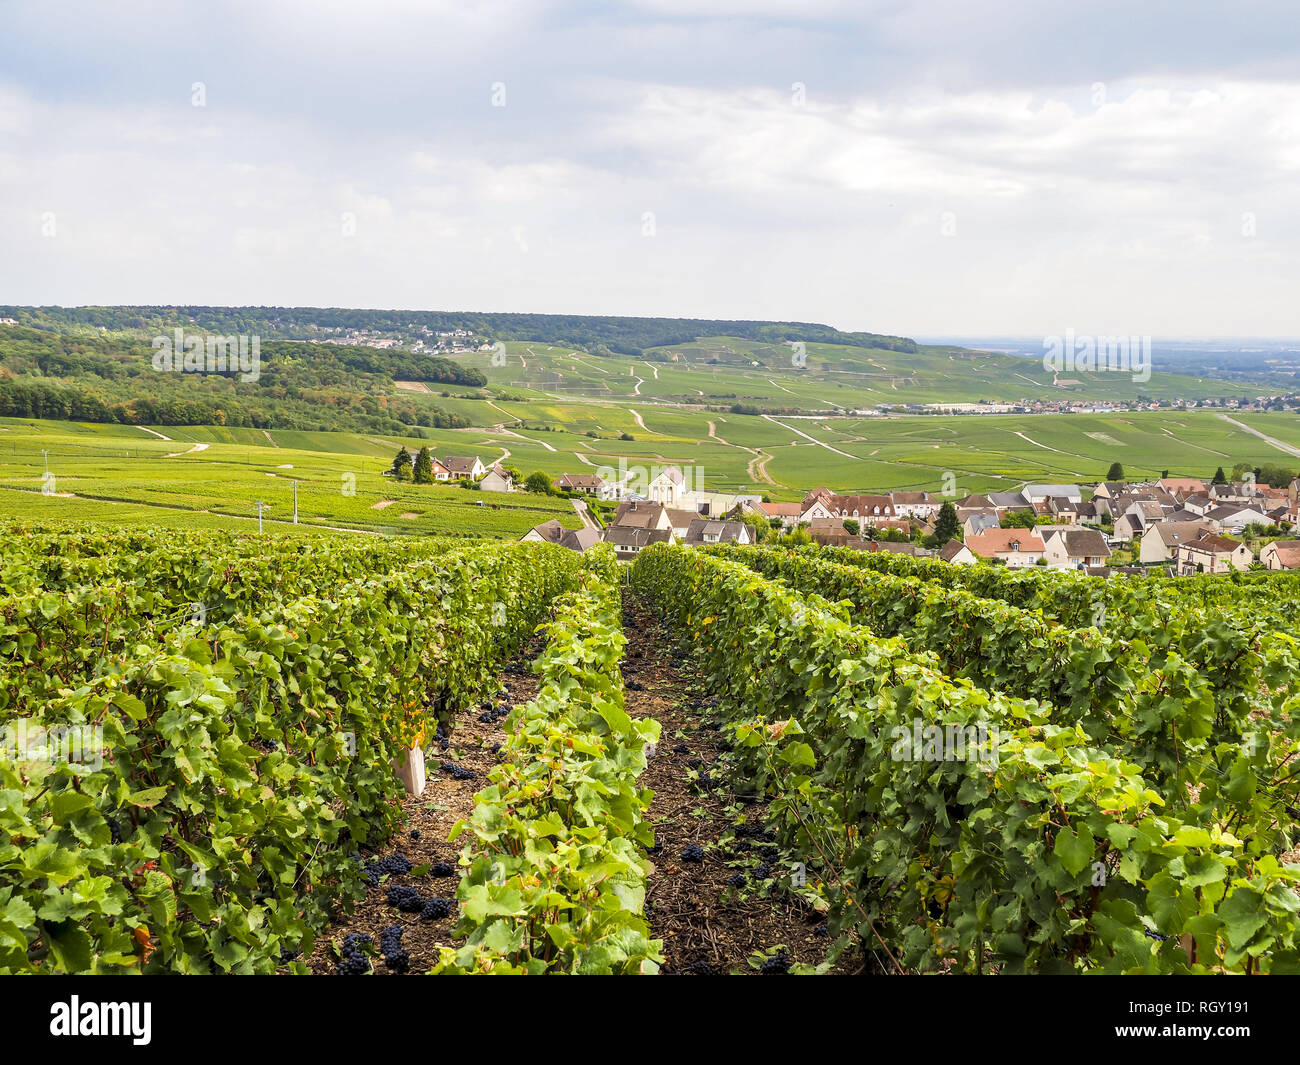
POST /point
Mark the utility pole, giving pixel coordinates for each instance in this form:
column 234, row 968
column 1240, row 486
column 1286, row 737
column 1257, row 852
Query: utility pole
column 295, row 502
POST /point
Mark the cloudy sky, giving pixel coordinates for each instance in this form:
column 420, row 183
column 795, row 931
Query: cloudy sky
column 930, row 168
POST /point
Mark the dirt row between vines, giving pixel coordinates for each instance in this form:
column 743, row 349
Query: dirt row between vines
column 429, row 819
column 709, row 921
column 708, row 926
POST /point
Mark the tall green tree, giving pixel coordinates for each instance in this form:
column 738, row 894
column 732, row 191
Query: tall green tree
column 1115, row 473
column 946, row 525
column 1219, row 477
column 423, row 472
column 401, row 468
column 538, row 483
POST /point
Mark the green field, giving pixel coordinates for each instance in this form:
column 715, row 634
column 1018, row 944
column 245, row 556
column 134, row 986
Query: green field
column 211, row 476
column 115, row 472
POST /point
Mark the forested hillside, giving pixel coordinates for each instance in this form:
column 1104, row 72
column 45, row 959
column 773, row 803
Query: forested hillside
column 111, row 378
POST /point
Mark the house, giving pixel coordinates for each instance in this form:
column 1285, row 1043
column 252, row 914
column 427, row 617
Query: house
column 1281, row 554
column 815, row 509
column 788, row 513
column 1109, row 489
column 460, row 467
column 587, row 483
column 978, row 521
column 552, row 532
column 1160, row 543
column 680, row 519
column 1010, row 501
column 830, row 532
column 667, row 486
column 1076, row 549
column 1095, row 511
column 956, row 552
column 915, row 505
column 880, row 525
column 628, row 541
column 860, row 507
column 1041, row 493
column 1128, row 527
column 1015, row 547
column 1147, row 512
column 642, row 515
column 1062, row 510
column 1232, row 518
column 1213, row 554
column 497, row 480
column 1182, row 486
column 706, row 531
column 440, row 472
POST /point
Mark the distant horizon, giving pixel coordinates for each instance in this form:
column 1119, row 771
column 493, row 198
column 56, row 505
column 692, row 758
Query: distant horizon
column 921, row 337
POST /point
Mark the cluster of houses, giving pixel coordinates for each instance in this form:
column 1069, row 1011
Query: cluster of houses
column 669, row 511
column 452, row 468
column 1183, row 524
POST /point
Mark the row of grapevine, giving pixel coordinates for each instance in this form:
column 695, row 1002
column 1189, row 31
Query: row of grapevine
column 1051, row 855
column 1162, row 709
column 556, row 878
column 225, row 775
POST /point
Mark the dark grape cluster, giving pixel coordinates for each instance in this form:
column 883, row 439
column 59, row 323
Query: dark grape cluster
column 822, row 930
column 635, row 686
column 737, row 881
column 494, row 714
column 114, row 830
column 390, row 946
column 436, row 909
column 458, row 772
column 702, row 968
column 286, row 955
column 777, row 965
column 439, row 870
column 353, row 960
column 681, row 748
column 655, row 848
column 406, row 899
column 393, row 865
column 1156, row 935
column 415, row 833
column 762, row 871
column 693, row 853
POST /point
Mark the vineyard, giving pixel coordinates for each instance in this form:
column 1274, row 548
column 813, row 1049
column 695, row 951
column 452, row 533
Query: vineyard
column 755, row 759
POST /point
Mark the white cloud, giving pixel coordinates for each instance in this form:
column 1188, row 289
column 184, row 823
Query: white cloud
column 1127, row 215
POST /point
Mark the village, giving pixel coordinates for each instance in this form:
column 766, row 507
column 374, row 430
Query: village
column 1174, row 526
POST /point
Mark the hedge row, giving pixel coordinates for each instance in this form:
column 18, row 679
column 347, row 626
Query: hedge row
column 206, row 826
column 556, row 882
column 1042, row 852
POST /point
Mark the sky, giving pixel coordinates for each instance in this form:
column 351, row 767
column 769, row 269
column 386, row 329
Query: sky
column 932, row 168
